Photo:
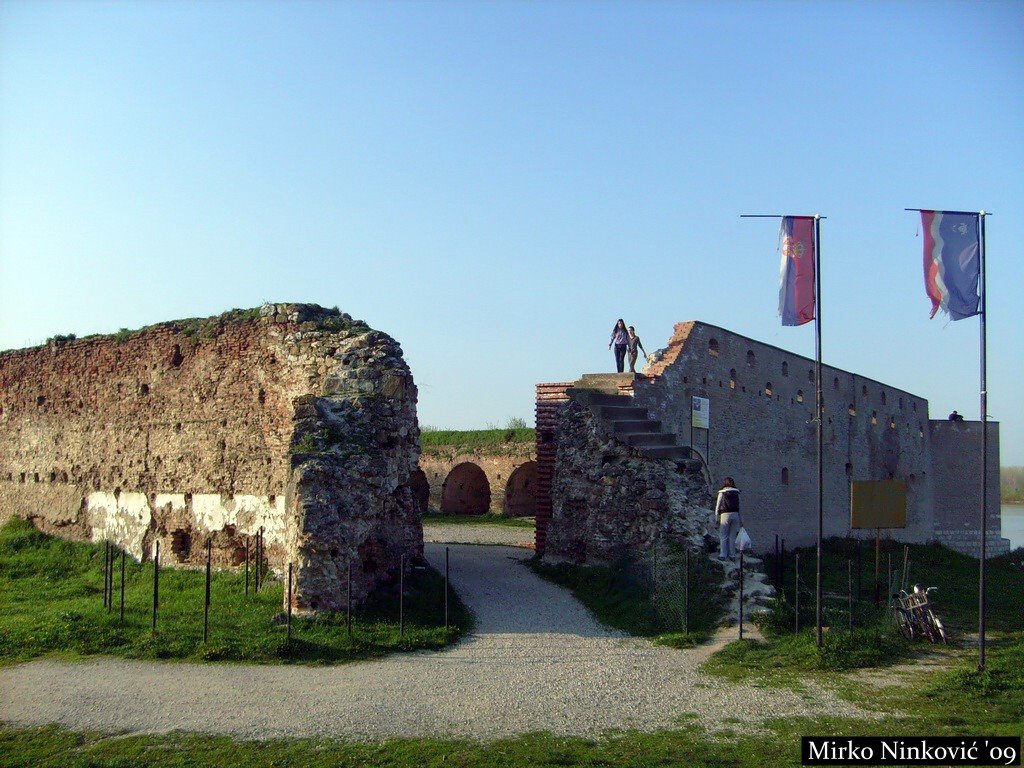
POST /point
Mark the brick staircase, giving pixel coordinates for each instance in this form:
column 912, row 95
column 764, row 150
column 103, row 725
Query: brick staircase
column 609, row 396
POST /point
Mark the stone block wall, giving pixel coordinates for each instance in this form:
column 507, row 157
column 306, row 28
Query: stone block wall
column 290, row 418
column 475, row 481
column 607, row 500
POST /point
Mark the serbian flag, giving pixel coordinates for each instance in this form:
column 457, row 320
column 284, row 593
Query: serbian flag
column 796, row 276
column 951, row 262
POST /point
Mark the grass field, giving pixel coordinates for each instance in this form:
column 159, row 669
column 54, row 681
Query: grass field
column 51, row 592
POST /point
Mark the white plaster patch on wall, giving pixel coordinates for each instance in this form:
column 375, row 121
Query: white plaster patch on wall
column 122, row 519
column 210, row 512
column 175, row 500
column 263, row 513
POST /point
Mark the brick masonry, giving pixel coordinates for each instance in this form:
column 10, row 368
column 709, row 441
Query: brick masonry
column 292, row 419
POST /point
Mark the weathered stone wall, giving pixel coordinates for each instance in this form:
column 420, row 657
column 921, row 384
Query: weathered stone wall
column 448, row 467
column 607, row 500
column 956, row 456
column 291, row 418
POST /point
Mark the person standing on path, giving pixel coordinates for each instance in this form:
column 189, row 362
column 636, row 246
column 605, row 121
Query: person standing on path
column 632, row 342
column 620, row 338
column 727, row 507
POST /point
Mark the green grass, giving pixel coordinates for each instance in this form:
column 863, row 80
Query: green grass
column 487, row 519
column 619, row 598
column 784, row 658
column 1011, row 485
column 475, row 438
column 51, row 591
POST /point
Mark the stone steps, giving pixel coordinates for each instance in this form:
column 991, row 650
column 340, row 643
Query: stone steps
column 634, row 426
column 650, row 439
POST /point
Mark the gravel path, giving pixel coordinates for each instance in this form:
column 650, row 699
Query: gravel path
column 538, row 661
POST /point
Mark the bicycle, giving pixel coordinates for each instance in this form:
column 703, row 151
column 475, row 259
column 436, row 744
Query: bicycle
column 914, row 615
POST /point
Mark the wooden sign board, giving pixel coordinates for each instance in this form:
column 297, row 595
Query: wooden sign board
column 878, row 504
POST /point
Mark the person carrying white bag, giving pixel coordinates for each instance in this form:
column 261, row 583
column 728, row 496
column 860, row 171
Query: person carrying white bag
column 727, row 508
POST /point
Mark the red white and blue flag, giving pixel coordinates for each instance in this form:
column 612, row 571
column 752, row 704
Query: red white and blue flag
column 951, row 262
column 796, row 277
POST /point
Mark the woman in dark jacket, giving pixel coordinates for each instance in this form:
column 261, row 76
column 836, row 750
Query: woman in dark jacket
column 727, row 507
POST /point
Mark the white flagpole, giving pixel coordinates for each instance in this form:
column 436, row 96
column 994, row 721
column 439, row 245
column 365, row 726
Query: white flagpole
column 984, row 452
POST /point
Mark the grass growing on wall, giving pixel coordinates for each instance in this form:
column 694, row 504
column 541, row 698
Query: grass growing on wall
column 437, row 518
column 475, row 438
column 51, row 591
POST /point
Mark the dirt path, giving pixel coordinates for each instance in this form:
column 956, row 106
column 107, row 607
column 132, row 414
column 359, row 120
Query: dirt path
column 538, row 661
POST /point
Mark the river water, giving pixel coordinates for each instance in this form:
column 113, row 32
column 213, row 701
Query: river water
column 1013, row 524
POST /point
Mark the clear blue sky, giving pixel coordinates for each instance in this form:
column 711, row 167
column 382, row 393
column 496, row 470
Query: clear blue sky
column 494, row 183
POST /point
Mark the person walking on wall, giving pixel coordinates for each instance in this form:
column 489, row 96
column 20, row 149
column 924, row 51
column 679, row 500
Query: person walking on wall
column 727, row 507
column 632, row 342
column 620, row 338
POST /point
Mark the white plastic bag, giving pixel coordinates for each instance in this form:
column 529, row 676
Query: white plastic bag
column 743, row 542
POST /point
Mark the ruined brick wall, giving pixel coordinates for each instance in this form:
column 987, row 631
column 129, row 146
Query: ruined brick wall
column 290, row 418
column 607, row 500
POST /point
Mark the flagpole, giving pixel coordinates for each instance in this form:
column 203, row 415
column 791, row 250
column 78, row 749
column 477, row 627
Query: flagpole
column 984, row 455
column 821, row 412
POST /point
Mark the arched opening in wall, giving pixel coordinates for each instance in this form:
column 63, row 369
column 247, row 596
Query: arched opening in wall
column 181, row 544
column 751, row 360
column 466, row 491
column 810, row 375
column 851, row 409
column 176, row 357
column 892, row 423
column 732, row 378
column 713, row 347
column 864, row 390
column 881, row 396
column 785, row 475
column 799, row 395
column 785, row 368
column 420, row 490
column 849, row 471
column 874, row 417
column 768, row 389
column 519, row 498
column 835, row 383
column 901, row 403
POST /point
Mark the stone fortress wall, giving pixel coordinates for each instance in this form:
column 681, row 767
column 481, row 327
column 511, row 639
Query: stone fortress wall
column 763, row 433
column 498, row 479
column 291, row 418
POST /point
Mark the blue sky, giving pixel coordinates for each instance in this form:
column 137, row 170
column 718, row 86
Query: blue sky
column 494, row 183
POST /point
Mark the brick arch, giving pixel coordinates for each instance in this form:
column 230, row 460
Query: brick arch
column 420, row 490
column 466, row 491
column 519, row 491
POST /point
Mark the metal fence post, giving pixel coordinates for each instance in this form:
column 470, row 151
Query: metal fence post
column 740, row 597
column 110, row 580
column 156, row 584
column 206, row 601
column 686, row 593
column 782, row 568
column 401, row 598
column 122, row 586
column 348, row 600
column 849, row 589
column 796, row 594
column 289, row 605
column 777, row 569
column 106, row 561
column 246, row 566
column 446, row 591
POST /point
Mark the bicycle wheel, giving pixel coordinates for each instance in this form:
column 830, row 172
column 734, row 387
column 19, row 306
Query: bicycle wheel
column 938, row 630
column 905, row 624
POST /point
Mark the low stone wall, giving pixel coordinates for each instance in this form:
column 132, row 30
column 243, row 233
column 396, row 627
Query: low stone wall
column 289, row 418
column 607, row 500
